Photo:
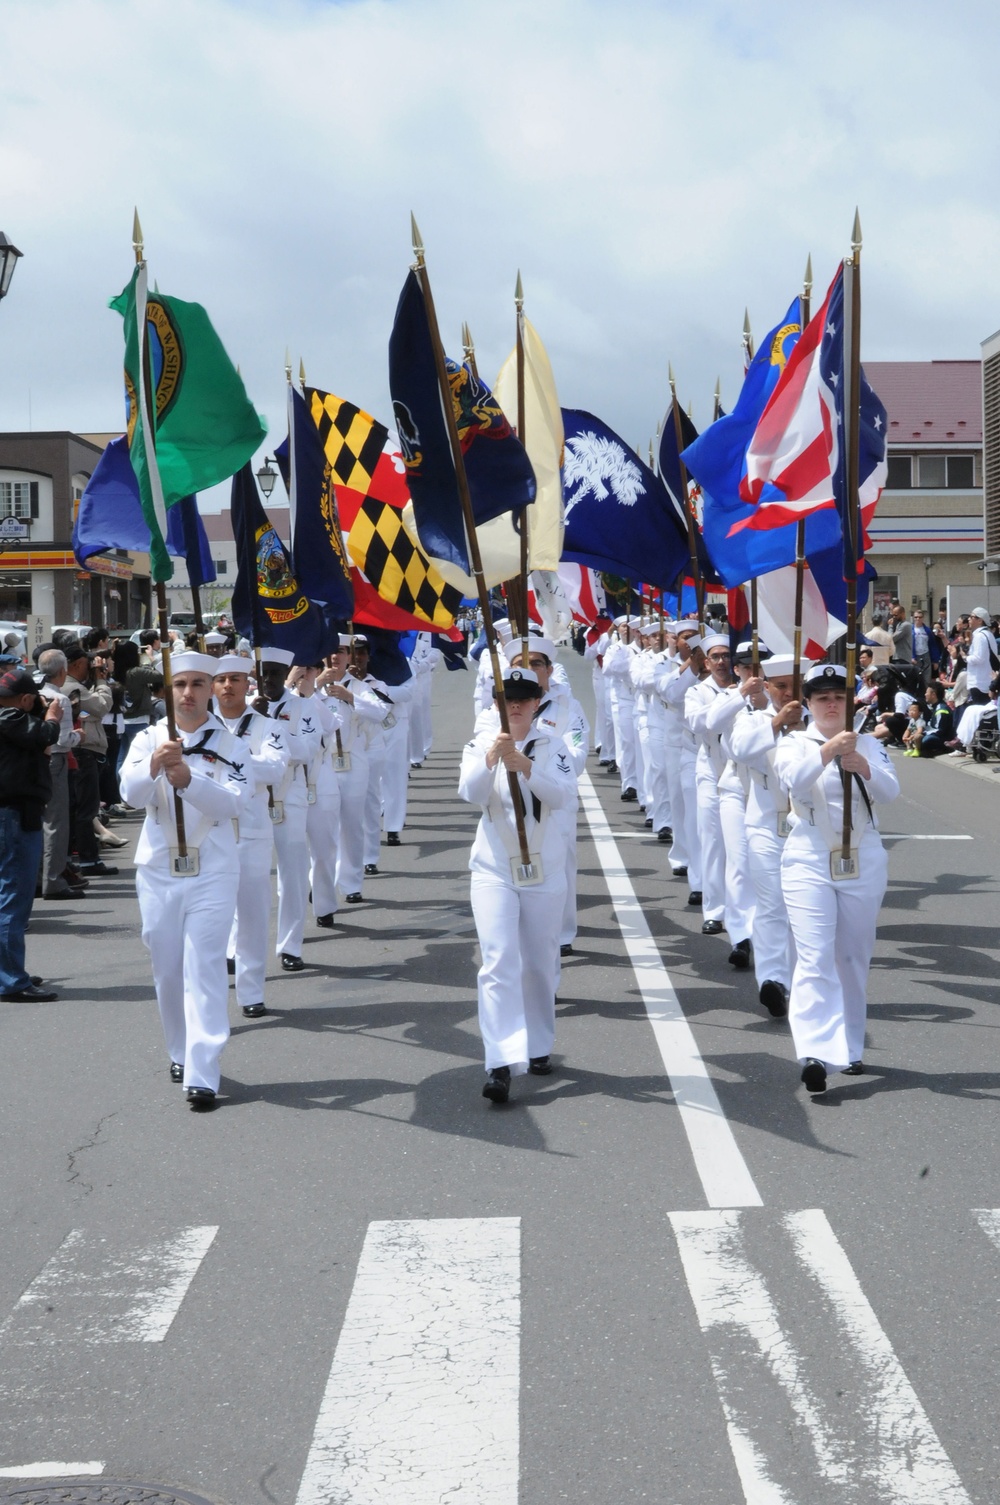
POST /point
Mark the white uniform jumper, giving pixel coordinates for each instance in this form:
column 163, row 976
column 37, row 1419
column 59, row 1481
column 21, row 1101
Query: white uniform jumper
column 186, row 920
column 672, row 679
column 617, row 664
column 723, row 714
column 423, row 661
column 640, row 720
column 264, row 747
column 378, row 733
column 657, row 789
column 754, row 746
column 349, row 756
column 518, row 927
column 604, row 732
column 833, row 922
column 322, row 810
column 303, row 734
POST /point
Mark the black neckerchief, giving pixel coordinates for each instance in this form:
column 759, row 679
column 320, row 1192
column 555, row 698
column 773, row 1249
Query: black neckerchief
column 536, row 804
column 203, row 750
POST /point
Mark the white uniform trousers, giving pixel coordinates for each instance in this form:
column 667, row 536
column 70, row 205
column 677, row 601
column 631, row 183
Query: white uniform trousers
column 833, row 925
column 772, row 936
column 396, row 772
column 192, row 917
column 680, row 851
column 252, row 922
column 421, row 731
column 739, row 889
column 323, row 832
column 373, row 804
column 351, row 857
column 519, row 940
column 292, row 852
column 604, row 731
column 657, row 787
column 568, row 929
column 641, row 721
column 624, row 723
column 712, row 849
column 687, row 786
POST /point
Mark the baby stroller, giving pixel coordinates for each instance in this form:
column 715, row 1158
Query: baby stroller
column 985, row 742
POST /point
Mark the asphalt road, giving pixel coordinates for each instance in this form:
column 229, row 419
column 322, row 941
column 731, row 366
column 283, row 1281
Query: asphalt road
column 267, row 1303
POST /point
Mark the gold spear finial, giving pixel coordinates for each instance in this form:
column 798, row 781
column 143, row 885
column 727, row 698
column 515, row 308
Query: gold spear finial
column 136, row 235
column 718, row 389
column 747, row 331
column 856, row 234
column 691, row 408
column 417, row 240
column 518, row 292
column 302, row 374
column 288, row 365
column 807, row 281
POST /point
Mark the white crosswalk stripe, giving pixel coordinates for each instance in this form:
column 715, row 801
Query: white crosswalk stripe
column 95, row 1289
column 873, row 1443
column 422, row 1400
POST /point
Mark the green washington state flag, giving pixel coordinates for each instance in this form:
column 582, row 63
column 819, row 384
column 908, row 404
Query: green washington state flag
column 190, row 424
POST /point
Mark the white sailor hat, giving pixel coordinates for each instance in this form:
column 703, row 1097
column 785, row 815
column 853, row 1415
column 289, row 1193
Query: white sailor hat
column 620, row 622
column 536, row 644
column 358, row 640
column 233, row 663
column 521, row 684
column 190, row 662
column 824, row 677
column 689, row 624
column 744, row 652
column 504, row 630
column 714, row 640
column 780, row 664
column 345, row 640
column 276, row 656
column 215, row 638
column 635, row 621
column 670, row 626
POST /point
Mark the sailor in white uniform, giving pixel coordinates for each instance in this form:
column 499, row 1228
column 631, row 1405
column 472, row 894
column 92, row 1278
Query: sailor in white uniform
column 673, row 679
column 378, row 747
column 482, row 692
column 265, row 749
column 832, row 905
column 754, row 740
column 655, row 754
column 303, row 734
column 723, row 714
column 187, row 900
column 617, row 671
column 423, row 661
column 518, row 926
column 357, row 717
column 709, row 764
column 322, row 797
column 604, row 732
column 396, row 767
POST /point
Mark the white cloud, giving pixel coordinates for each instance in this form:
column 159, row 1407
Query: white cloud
column 652, row 168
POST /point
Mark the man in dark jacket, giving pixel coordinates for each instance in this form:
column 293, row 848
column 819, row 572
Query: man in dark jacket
column 27, row 730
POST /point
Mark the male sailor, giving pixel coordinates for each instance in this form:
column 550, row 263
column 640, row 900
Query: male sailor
column 517, row 922
column 357, row 717
column 653, row 730
column 604, row 732
column 187, row 892
column 267, row 754
column 322, row 798
column 723, row 714
column 423, row 661
column 832, row 901
column 378, row 747
column 621, row 693
column 710, row 761
column 673, row 678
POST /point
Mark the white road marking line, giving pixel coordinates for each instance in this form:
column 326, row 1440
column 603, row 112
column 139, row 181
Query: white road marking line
column 988, row 1219
column 51, row 1470
column 874, row 1443
column 92, row 1292
column 911, row 836
column 725, row 1177
column 422, row 1400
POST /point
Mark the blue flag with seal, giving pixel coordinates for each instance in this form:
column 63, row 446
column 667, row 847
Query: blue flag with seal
column 670, row 475
column 497, row 466
column 110, row 516
column 270, row 608
column 619, row 515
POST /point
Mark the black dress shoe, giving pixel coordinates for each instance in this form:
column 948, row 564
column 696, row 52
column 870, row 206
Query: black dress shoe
column 630, row 796
column 231, row 965
column 201, row 1098
column 30, row 994
column 712, row 927
column 98, row 869
column 679, row 872
column 694, row 897
column 253, row 1010
column 291, row 963
column 664, row 834
column 392, row 839
column 497, row 1085
column 324, row 921
column 814, row 1075
column 371, row 869
column 355, row 899
column 774, row 997
column 856, row 1068
column 604, row 763
column 540, row 1066
column 176, row 1071
column 612, row 766
column 739, row 957
column 566, row 949
column 36, row 982
column 67, row 893
column 648, row 822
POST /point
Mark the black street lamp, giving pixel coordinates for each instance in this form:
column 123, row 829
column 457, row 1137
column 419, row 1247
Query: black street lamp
column 8, row 261
column 266, row 477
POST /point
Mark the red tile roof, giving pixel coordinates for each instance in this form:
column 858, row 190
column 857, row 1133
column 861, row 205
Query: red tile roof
column 930, row 402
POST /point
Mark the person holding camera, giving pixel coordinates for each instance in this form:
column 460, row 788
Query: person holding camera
column 91, row 676
column 27, row 730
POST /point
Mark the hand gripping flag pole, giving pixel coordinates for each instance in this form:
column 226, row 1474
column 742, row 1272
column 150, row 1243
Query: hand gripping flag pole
column 852, row 409
column 527, row 870
column 805, row 309
column 145, row 405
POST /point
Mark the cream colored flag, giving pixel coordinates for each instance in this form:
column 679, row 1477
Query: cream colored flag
column 543, row 439
column 499, row 547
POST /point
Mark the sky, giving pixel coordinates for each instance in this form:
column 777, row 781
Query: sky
column 652, row 168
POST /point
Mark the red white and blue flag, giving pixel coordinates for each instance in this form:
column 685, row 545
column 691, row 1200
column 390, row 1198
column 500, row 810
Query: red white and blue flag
column 796, row 462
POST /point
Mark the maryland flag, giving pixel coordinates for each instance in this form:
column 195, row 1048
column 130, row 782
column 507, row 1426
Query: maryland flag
column 370, row 483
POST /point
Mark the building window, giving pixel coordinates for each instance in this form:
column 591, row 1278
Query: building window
column 221, row 566
column 19, row 499
column 962, row 472
column 900, row 477
column 933, row 472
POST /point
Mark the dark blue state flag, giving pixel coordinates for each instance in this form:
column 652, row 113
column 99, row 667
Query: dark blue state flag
column 110, row 516
column 269, row 606
column 497, row 467
column 670, row 475
column 619, row 515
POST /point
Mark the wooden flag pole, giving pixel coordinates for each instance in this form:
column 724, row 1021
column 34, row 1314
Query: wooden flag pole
column 805, row 310
column 161, row 590
column 462, row 481
column 852, row 407
column 519, row 323
column 699, row 584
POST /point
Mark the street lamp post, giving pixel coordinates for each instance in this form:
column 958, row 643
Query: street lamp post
column 9, row 255
column 266, row 477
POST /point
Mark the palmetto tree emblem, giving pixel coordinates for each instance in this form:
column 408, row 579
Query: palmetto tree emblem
column 599, row 467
